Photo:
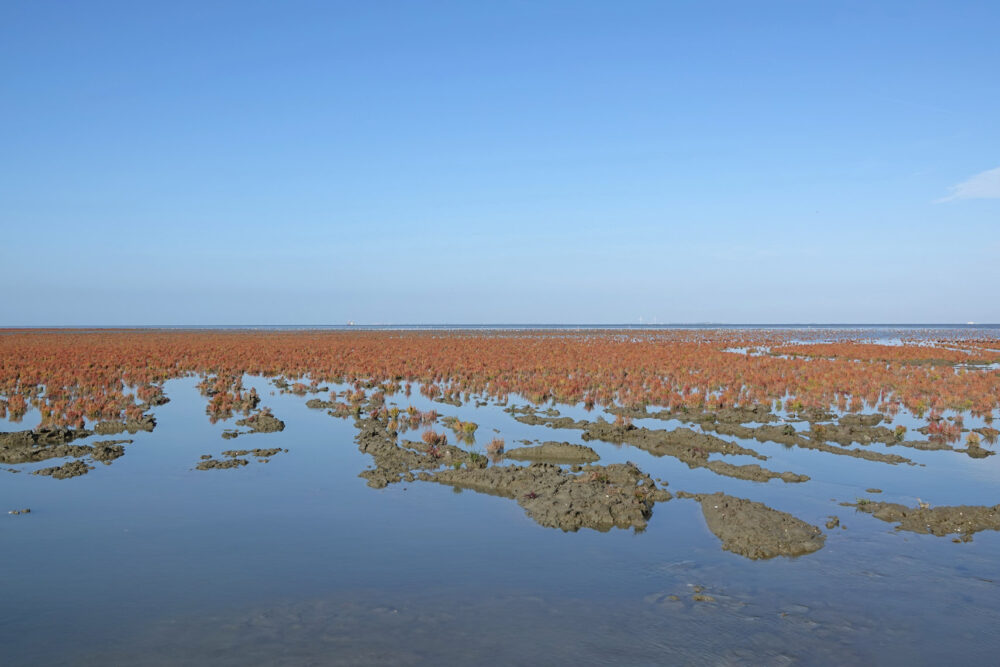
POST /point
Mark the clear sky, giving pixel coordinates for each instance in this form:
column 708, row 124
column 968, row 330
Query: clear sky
column 486, row 162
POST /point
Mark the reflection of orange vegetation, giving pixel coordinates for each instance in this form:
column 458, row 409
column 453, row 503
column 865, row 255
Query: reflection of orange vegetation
column 73, row 375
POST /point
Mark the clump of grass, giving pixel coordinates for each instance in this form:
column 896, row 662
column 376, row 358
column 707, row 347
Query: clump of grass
column 495, row 447
column 434, row 439
column 973, row 440
column 623, row 422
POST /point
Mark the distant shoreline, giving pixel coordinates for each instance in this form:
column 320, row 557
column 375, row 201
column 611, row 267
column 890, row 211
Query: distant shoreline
column 499, row 327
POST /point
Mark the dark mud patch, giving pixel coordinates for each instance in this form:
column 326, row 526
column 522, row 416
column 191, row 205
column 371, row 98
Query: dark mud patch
column 235, row 458
column 861, row 421
column 107, row 451
column 846, row 434
column 754, row 530
column 758, row 413
column 974, row 451
column 333, row 408
column 260, row 422
column 689, row 446
column 449, row 401
column 788, row 436
column 41, row 444
column 526, row 414
column 66, row 470
column 145, row 423
column 598, row 497
column 396, row 462
column 256, row 453
column 962, row 520
column 220, row 464
column 46, row 444
column 989, row 433
column 554, row 452
column 849, row 429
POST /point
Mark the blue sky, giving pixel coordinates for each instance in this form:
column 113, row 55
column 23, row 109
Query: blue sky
column 400, row 162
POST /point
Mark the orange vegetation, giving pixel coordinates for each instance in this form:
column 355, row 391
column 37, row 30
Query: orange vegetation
column 73, row 376
column 892, row 353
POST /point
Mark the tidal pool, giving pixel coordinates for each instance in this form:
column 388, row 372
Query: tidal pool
column 294, row 559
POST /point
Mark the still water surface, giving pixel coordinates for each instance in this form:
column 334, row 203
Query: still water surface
column 297, row 561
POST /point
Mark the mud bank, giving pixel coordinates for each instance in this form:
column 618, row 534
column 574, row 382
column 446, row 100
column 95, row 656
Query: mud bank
column 46, row 444
column 598, row 497
column 234, row 458
column 849, row 429
column 962, row 520
column 754, row 530
column 397, row 462
column 736, row 415
column 40, row 445
column 66, row 470
column 554, row 452
column 260, row 422
column 685, row 444
column 145, row 423
column 333, row 408
column 587, row 496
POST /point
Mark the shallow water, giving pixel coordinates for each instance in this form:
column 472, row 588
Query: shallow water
column 297, row 561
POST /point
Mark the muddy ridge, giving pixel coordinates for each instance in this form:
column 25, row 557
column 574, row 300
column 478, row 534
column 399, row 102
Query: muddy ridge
column 788, row 436
column 963, row 520
column 259, row 422
column 397, row 462
column 598, row 497
column 849, row 429
column 234, row 458
column 554, row 452
column 736, row 415
column 145, row 423
column 45, row 444
column 685, row 444
column 618, row 495
column 41, row 444
column 66, row 470
column 754, row 530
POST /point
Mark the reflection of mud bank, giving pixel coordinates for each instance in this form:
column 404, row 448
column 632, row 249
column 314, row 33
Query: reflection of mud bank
column 963, row 520
column 755, row 530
